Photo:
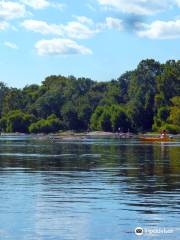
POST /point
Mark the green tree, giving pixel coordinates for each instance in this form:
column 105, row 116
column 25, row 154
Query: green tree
column 105, row 121
column 110, row 118
column 142, row 90
column 13, row 100
column 50, row 125
column 16, row 121
column 174, row 116
column 119, row 118
column 70, row 117
column 168, row 82
column 3, row 93
column 161, row 117
column 94, row 122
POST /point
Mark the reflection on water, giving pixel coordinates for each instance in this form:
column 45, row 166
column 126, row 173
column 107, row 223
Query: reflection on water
column 98, row 189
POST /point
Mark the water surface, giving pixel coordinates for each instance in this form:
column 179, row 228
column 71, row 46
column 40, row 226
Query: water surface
column 95, row 189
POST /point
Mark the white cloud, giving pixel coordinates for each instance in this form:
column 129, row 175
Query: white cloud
column 161, row 30
column 41, row 4
column 36, row 4
column 83, row 28
column 78, row 30
column 11, row 45
column 140, row 7
column 110, row 23
column 75, row 30
column 59, row 46
column 11, row 10
column 114, row 23
column 42, row 27
column 3, row 26
column 84, row 20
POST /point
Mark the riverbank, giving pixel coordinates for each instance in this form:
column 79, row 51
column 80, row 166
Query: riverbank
column 71, row 135
column 79, row 136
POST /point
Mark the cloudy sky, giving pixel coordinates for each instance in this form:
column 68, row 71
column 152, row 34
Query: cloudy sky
column 93, row 38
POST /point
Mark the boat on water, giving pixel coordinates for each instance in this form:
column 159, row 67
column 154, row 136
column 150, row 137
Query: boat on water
column 157, row 139
column 164, row 137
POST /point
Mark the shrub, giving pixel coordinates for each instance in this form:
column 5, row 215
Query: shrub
column 49, row 125
column 16, row 121
column 170, row 128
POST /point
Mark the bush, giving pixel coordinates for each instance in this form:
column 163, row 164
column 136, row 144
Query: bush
column 110, row 118
column 119, row 118
column 49, row 125
column 16, row 121
column 94, row 121
column 105, row 121
column 170, row 128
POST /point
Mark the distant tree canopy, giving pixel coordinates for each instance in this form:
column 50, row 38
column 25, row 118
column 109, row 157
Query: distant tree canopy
column 110, row 118
column 50, row 125
column 145, row 99
column 16, row 121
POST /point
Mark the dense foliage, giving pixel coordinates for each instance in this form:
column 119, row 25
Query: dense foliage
column 145, row 99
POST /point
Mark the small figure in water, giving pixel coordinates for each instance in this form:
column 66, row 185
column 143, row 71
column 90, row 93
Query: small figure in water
column 163, row 134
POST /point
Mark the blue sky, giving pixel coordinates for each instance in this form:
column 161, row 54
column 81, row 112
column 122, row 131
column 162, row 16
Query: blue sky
column 100, row 39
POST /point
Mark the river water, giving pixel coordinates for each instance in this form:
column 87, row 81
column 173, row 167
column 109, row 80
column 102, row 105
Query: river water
column 95, row 189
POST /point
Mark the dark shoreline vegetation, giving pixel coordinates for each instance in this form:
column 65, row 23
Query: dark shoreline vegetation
column 145, row 99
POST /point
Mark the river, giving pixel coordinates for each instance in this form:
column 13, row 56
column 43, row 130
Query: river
column 94, row 189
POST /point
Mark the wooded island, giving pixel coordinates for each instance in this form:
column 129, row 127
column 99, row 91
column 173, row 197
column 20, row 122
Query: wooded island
column 145, row 99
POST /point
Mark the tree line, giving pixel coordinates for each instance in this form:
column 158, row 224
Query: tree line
column 145, row 99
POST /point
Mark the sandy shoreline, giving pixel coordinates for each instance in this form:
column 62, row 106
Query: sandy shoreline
column 70, row 135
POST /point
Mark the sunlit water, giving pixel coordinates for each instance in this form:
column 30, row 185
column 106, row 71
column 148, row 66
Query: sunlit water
column 96, row 189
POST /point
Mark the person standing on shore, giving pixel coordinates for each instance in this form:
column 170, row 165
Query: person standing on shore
column 163, row 134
